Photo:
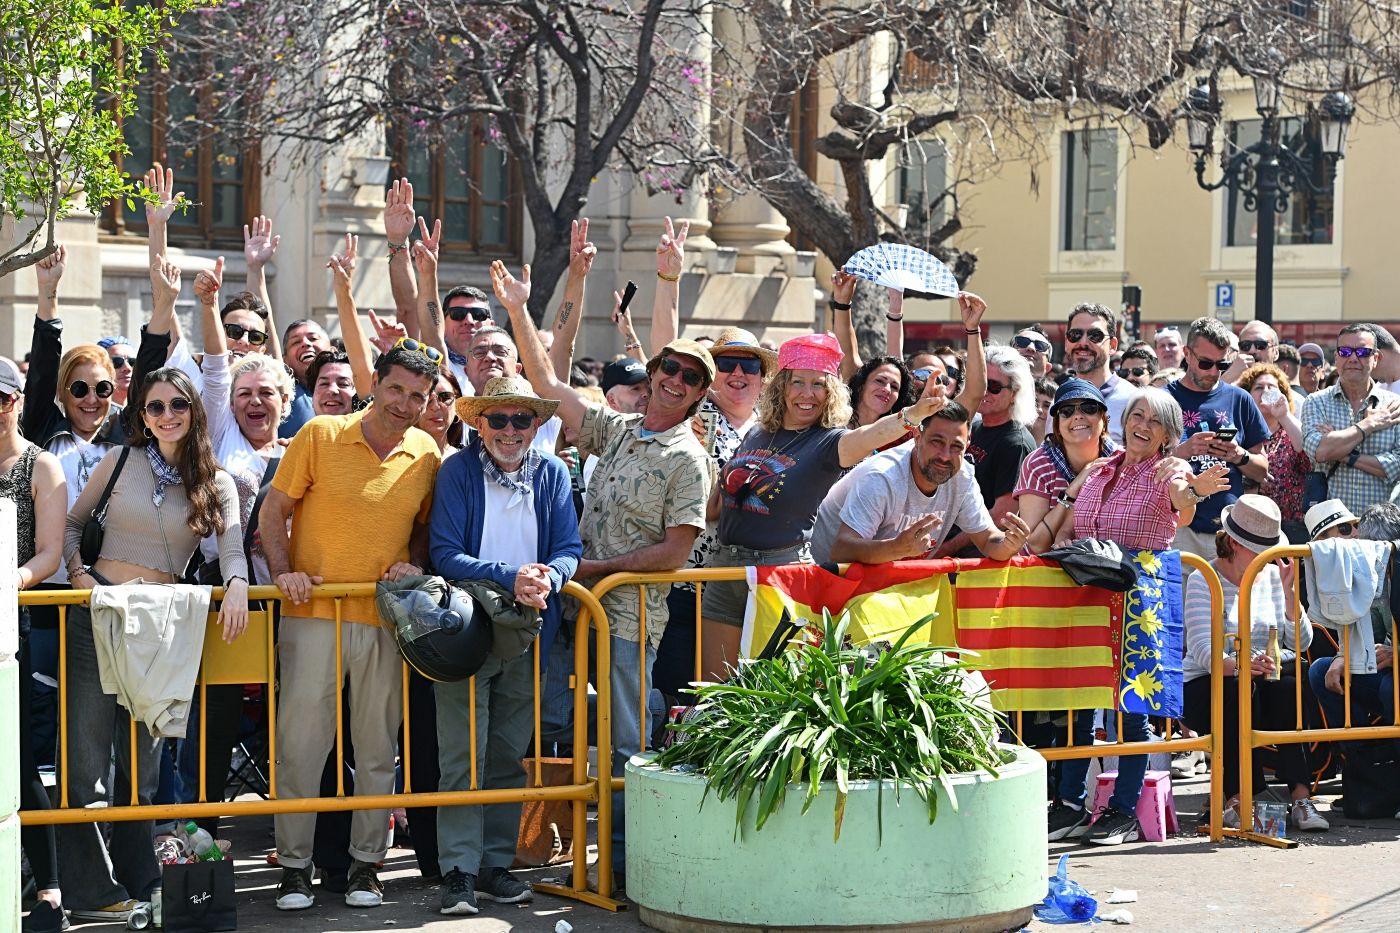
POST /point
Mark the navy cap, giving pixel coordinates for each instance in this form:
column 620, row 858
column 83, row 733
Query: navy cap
column 625, row 372
column 1074, row 390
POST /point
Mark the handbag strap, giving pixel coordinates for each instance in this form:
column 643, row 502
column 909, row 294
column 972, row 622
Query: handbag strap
column 252, row 528
column 99, row 512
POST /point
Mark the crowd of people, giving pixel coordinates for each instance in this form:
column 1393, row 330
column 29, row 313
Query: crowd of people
column 448, row 441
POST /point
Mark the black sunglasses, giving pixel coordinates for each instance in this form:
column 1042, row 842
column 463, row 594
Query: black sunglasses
column 1134, row 371
column 751, row 365
column 459, row 313
column 1070, row 409
column 121, row 362
column 1208, row 365
column 433, row 354
column 1021, row 342
column 237, row 332
column 1346, row 529
column 924, row 375
column 1312, row 362
column 445, row 397
column 179, row 405
column 1077, row 334
column 689, row 376
column 520, row 422
column 80, row 389
column 994, row 387
column 1255, row 344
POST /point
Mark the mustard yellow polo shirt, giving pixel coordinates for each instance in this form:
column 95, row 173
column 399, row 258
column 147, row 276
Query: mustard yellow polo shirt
column 354, row 513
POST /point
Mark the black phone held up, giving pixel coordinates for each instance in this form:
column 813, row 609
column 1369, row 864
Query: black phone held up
column 628, row 294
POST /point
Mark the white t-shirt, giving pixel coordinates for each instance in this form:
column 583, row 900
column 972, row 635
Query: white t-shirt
column 509, row 530
column 880, row 499
column 78, row 459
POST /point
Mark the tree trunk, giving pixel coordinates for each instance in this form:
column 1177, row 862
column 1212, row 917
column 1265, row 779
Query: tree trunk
column 549, row 261
column 868, row 309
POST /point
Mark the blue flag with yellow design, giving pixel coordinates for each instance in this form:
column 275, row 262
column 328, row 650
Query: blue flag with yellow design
column 1153, row 637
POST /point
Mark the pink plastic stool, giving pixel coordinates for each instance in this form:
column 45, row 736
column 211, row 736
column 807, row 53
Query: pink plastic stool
column 1156, row 808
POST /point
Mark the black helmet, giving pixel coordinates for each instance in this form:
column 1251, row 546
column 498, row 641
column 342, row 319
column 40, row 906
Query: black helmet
column 441, row 631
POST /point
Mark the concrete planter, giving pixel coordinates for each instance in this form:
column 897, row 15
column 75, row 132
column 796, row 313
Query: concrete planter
column 979, row 869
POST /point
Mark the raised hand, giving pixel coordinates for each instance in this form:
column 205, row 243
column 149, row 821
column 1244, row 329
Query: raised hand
column 971, row 307
column 513, row 292
column 581, row 251
column 917, row 539
column 843, row 287
column 425, row 251
column 50, row 269
column 165, row 281
column 925, row 407
column 670, row 250
column 161, row 183
column 386, row 333
column 1209, row 482
column 259, row 245
column 207, row 283
column 398, row 212
column 343, row 266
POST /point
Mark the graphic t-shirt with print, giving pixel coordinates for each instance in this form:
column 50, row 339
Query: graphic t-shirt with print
column 771, row 488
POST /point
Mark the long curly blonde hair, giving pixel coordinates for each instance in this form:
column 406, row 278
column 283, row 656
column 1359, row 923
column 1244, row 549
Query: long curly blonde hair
column 772, row 402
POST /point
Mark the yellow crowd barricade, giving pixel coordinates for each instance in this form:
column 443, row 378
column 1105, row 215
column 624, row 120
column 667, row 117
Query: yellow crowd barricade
column 251, row 658
column 699, row 577
column 1251, row 738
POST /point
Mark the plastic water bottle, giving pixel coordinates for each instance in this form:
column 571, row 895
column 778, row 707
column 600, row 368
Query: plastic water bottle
column 1066, row 901
column 202, row 844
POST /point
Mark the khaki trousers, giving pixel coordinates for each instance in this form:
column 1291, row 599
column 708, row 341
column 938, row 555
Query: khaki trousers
column 306, row 704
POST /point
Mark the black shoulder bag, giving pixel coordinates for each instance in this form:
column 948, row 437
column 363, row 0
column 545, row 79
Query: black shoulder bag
column 90, row 546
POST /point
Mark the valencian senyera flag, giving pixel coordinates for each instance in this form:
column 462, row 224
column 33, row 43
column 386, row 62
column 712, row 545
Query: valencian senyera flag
column 1042, row 641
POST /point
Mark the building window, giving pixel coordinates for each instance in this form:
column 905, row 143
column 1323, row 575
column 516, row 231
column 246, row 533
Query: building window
column 923, row 177
column 176, row 114
column 1090, row 189
column 468, row 181
column 1308, row 218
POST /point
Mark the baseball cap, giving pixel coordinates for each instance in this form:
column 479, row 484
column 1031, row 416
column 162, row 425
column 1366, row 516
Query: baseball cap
column 695, row 351
column 10, row 379
column 625, row 372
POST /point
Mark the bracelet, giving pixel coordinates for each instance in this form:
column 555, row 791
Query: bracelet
column 892, row 317
column 1195, row 496
column 1066, row 501
column 911, row 426
column 668, row 278
column 634, row 345
column 974, row 330
column 395, row 250
column 838, row 306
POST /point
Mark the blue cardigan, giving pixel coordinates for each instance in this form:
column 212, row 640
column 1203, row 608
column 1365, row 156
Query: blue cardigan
column 456, row 522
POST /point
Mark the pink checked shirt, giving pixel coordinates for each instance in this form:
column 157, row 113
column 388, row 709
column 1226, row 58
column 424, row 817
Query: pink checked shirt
column 1137, row 513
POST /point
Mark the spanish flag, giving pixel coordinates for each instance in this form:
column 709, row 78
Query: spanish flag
column 1042, row 641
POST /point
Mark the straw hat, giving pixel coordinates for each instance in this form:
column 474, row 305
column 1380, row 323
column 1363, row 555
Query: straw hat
column 734, row 341
column 505, row 390
column 1254, row 522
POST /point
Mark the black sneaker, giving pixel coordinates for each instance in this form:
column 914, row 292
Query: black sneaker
column 365, row 889
column 1114, row 827
column 45, row 918
column 294, row 890
column 458, row 894
column 497, row 884
column 1067, row 822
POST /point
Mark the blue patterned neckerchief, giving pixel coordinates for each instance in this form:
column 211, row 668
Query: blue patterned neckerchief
column 1061, row 462
column 456, row 358
column 165, row 474
column 523, row 486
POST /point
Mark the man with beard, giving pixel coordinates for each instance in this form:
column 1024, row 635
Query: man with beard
column 626, row 386
column 900, row 504
column 1090, row 339
column 303, row 341
column 1222, row 425
column 492, row 354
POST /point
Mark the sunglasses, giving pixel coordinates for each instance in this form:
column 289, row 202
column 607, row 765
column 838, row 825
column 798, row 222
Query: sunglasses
column 1346, row 529
column 1312, row 362
column 445, row 397
column 237, row 332
column 1070, row 409
column 7, row 400
column 1208, row 365
column 433, row 354
column 499, row 350
column 1075, row 335
column 520, row 422
column 689, row 376
column 1360, row 353
column 995, row 388
column 1021, row 343
column 179, row 405
column 459, row 313
column 80, row 389
column 1255, row 344
column 751, row 365
column 122, row 362
column 1134, row 371
column 924, row 375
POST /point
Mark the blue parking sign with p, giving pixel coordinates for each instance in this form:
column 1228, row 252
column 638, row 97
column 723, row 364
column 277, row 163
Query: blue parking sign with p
column 1225, row 295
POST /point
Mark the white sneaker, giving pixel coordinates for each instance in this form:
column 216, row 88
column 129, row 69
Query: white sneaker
column 1304, row 815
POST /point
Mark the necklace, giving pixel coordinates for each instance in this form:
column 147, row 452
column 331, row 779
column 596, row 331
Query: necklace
column 795, row 438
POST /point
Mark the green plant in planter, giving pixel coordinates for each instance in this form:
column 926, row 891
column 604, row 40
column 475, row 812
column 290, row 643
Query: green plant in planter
column 825, row 711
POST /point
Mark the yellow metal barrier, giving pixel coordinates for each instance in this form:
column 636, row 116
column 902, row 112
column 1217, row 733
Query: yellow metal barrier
column 699, row 577
column 252, row 659
column 1251, row 738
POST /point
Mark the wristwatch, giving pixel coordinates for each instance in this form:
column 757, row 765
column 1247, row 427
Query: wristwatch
column 1352, row 457
column 1195, row 496
column 1244, row 458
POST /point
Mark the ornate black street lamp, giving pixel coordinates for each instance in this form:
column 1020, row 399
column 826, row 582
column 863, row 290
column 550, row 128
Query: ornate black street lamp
column 1266, row 174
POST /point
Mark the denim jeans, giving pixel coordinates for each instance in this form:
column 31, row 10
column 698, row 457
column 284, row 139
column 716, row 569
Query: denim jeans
column 556, row 699
column 1371, row 695
column 1131, row 768
column 97, row 726
column 472, row 838
column 628, row 716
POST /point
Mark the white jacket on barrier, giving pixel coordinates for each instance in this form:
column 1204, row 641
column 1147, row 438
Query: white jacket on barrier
column 1344, row 577
column 149, row 638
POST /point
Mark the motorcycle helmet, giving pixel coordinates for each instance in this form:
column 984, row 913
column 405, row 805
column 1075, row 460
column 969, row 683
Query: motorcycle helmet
column 445, row 637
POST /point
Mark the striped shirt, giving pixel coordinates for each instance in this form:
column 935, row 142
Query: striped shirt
column 1039, row 477
column 1359, row 490
column 1266, row 609
column 1136, row 513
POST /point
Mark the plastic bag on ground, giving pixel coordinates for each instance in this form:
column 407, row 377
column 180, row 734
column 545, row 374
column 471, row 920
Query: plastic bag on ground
column 1065, row 901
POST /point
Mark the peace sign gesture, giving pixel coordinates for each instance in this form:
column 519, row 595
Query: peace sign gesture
column 581, row 251
column 425, row 251
column 670, row 250
column 343, row 266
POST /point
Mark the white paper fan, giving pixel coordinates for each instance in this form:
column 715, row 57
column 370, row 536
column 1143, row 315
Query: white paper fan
column 907, row 268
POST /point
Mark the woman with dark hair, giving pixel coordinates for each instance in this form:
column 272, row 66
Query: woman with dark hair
column 440, row 419
column 1079, row 437
column 880, row 386
column 168, row 495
